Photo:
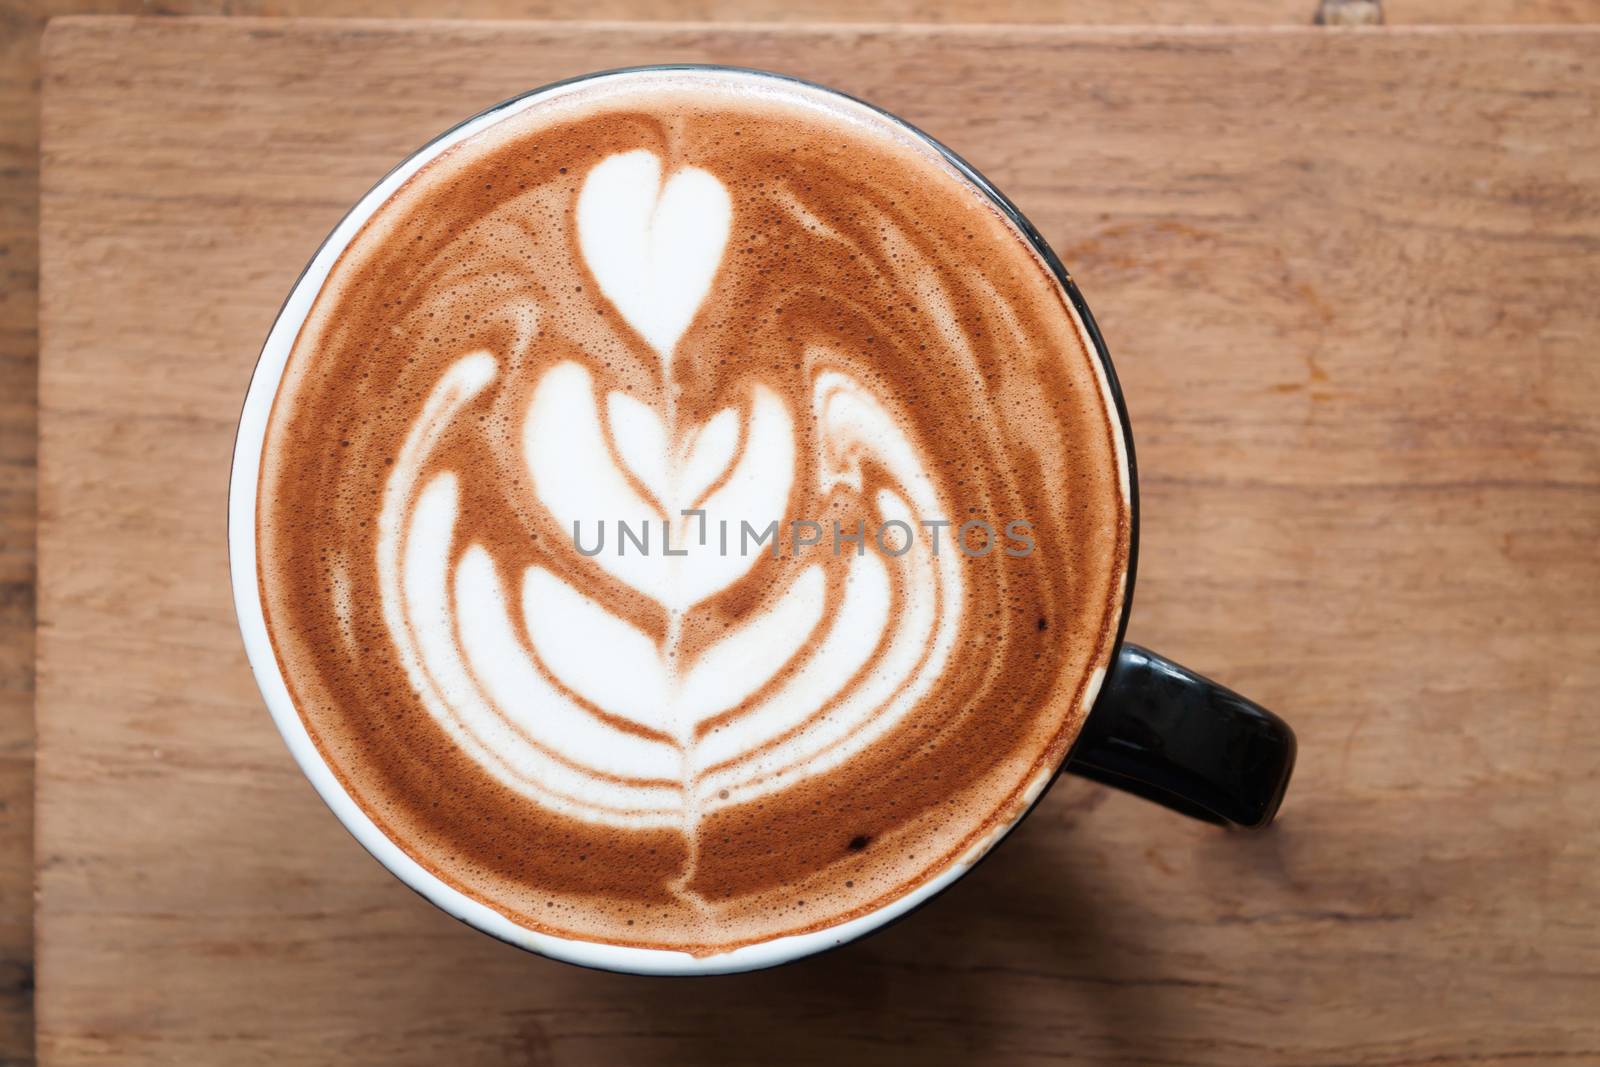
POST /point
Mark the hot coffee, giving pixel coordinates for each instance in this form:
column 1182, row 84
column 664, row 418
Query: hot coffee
column 692, row 514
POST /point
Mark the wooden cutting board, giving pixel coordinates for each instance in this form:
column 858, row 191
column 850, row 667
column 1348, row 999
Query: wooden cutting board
column 1349, row 280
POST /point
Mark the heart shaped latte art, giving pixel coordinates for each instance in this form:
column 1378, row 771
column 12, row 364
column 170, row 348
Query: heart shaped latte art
column 574, row 464
column 653, row 248
column 675, row 475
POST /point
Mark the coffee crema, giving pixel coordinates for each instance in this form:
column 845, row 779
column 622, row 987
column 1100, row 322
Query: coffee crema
column 684, row 303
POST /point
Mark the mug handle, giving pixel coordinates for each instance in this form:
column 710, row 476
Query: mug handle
column 1164, row 733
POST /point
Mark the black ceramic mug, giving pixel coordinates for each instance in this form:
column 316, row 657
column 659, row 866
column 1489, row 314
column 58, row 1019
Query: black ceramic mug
column 1156, row 729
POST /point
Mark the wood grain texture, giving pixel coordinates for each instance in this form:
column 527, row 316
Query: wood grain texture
column 21, row 22
column 1348, row 279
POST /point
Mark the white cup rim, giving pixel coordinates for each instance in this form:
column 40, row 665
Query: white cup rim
column 242, row 492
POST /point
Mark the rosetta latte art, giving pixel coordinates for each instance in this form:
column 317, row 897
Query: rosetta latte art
column 580, row 709
column 685, row 311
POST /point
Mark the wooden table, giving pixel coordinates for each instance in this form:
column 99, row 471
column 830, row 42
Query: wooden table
column 1349, row 281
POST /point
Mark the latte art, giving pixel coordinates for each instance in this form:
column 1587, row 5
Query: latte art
column 690, row 311
column 579, row 708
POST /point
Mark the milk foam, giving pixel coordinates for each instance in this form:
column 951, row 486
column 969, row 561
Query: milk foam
column 656, row 294
column 653, row 246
